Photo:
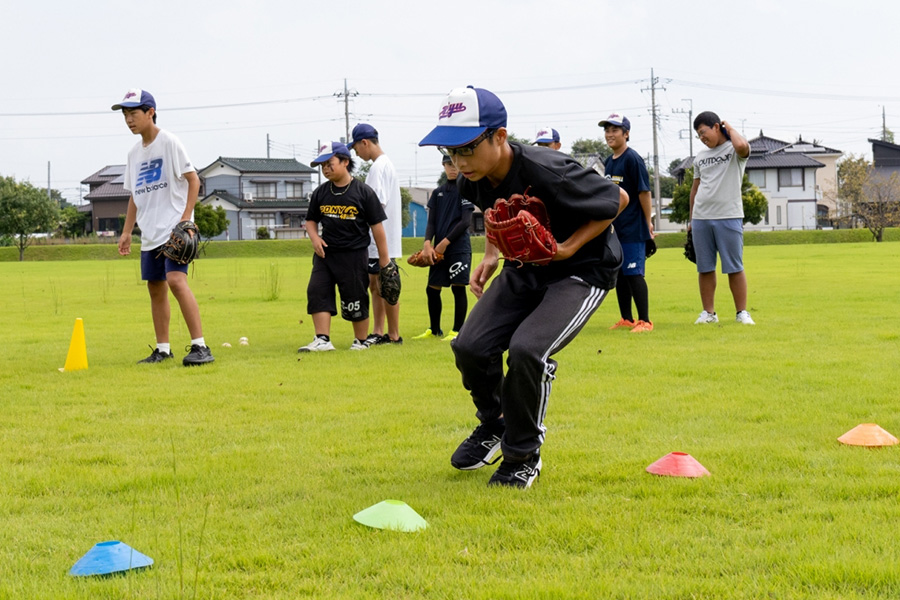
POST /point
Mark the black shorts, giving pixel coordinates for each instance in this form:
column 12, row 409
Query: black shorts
column 453, row 270
column 347, row 271
column 374, row 266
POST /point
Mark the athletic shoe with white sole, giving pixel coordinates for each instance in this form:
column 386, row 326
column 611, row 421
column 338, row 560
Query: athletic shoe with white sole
column 706, row 317
column 198, row 355
column 358, row 345
column 744, row 317
column 317, row 345
column 156, row 357
column 517, row 474
column 478, row 449
column 374, row 340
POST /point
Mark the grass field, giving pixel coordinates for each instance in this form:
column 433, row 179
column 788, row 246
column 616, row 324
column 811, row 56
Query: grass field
column 240, row 478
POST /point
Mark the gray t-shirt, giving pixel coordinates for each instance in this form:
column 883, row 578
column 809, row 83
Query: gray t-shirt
column 721, row 172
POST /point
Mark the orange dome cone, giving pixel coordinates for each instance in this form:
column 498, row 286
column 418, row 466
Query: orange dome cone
column 678, row 464
column 868, row 434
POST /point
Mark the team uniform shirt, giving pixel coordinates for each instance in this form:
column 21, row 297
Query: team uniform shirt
column 450, row 215
column 383, row 179
column 345, row 217
column 573, row 195
column 154, row 175
column 630, row 173
column 721, row 173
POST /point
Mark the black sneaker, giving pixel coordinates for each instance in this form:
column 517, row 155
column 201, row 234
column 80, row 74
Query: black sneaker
column 197, row 356
column 386, row 339
column 517, row 474
column 479, row 448
column 156, row 357
column 374, row 340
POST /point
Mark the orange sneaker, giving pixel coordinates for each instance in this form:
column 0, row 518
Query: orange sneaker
column 624, row 323
column 641, row 326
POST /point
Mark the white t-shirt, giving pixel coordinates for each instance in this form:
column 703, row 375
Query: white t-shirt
column 383, row 179
column 155, row 178
column 719, row 194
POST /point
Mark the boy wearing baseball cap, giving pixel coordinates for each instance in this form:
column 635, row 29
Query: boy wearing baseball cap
column 164, row 186
column 634, row 226
column 532, row 311
column 548, row 138
column 449, row 252
column 382, row 177
column 347, row 211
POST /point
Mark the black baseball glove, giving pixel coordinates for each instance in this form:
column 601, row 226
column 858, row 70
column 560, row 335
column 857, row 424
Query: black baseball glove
column 649, row 248
column 182, row 247
column 389, row 282
column 689, row 252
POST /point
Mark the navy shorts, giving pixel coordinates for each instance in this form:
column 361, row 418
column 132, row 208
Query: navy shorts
column 725, row 236
column 453, row 270
column 155, row 265
column 634, row 257
column 347, row 271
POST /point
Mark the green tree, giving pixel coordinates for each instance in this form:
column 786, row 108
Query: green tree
column 887, row 136
column 673, row 165
column 514, row 138
column 71, row 222
column 25, row 210
column 666, row 184
column 584, row 151
column 405, row 199
column 755, row 202
column 210, row 221
column 874, row 198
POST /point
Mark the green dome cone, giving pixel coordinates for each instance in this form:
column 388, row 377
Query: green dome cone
column 394, row 515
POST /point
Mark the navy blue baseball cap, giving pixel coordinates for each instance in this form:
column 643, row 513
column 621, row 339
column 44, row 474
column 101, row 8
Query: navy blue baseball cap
column 616, row 120
column 329, row 150
column 546, row 135
column 466, row 113
column 134, row 98
column 361, row 132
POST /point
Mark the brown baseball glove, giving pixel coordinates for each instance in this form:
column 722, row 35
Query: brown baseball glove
column 418, row 259
column 520, row 228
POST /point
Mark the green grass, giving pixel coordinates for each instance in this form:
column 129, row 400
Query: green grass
column 269, row 454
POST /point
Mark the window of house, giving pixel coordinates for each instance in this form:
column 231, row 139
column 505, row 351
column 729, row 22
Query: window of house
column 757, row 177
column 767, row 215
column 264, row 190
column 790, row 178
column 294, row 190
column 778, row 215
column 262, row 220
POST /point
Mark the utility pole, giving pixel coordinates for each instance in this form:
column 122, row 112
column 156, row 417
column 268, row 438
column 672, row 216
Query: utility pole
column 690, row 114
column 656, row 193
column 49, row 197
column 883, row 125
column 346, row 94
column 316, row 154
column 268, row 146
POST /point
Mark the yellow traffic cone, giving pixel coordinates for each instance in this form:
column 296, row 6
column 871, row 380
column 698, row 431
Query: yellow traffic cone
column 77, row 357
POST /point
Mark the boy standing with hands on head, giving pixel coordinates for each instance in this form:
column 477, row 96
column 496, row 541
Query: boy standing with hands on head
column 164, row 187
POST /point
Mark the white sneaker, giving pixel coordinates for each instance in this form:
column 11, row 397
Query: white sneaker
column 358, row 345
column 744, row 317
column 317, row 345
column 706, row 317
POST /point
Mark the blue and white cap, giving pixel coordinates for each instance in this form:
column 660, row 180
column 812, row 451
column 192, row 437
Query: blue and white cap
column 546, row 135
column 616, row 120
column 329, row 150
column 361, row 132
column 466, row 113
column 134, row 98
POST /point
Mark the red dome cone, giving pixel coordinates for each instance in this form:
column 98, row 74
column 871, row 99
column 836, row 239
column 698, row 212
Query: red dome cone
column 868, row 434
column 678, row 464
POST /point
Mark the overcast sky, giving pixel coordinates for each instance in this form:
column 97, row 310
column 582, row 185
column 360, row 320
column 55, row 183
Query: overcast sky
column 227, row 73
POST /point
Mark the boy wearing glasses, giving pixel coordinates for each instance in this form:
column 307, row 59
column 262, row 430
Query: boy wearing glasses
column 530, row 311
column 717, row 213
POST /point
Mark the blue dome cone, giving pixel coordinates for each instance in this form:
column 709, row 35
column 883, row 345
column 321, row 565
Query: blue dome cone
column 109, row 557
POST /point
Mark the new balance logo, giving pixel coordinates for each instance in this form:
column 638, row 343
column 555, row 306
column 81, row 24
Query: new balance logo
column 451, row 109
column 631, row 266
column 150, row 171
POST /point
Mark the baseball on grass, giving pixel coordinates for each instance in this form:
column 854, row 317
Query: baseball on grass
column 226, row 345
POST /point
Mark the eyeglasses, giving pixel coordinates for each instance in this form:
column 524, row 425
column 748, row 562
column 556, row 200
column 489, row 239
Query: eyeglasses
column 468, row 149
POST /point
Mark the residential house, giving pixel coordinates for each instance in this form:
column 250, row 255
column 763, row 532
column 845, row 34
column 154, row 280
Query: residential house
column 108, row 199
column 885, row 157
column 270, row 193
